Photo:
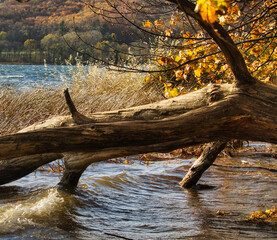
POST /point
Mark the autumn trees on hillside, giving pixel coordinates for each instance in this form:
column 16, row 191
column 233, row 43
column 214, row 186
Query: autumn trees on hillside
column 48, row 22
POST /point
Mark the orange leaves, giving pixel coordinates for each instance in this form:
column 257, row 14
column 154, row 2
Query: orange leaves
column 168, row 33
column 158, row 22
column 256, row 40
column 165, row 61
column 147, row 23
column 269, row 215
column 187, row 34
column 209, row 9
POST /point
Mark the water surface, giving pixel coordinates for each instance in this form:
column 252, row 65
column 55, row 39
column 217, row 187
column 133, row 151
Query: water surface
column 28, row 76
column 142, row 201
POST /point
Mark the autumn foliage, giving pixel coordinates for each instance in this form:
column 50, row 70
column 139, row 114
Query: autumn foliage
column 193, row 59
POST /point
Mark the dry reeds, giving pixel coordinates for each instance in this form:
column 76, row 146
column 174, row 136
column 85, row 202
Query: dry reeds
column 93, row 89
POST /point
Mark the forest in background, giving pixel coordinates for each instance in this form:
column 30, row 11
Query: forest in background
column 39, row 31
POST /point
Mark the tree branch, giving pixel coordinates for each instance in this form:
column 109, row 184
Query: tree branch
column 233, row 56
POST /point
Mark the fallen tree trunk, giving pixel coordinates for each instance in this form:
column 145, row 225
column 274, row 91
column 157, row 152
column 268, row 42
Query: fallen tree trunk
column 217, row 112
column 13, row 169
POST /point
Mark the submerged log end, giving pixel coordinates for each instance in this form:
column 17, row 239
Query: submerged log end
column 75, row 164
column 71, row 178
column 206, row 159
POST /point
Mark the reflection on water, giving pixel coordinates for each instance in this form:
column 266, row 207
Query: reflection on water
column 139, row 201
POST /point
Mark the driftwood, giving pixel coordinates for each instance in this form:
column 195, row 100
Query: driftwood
column 215, row 113
column 244, row 110
column 206, row 159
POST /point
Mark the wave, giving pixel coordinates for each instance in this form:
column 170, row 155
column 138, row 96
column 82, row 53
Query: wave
column 11, row 76
column 45, row 205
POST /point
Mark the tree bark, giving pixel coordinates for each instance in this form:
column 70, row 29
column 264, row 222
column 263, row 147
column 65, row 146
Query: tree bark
column 222, row 113
column 16, row 168
column 214, row 113
column 206, row 159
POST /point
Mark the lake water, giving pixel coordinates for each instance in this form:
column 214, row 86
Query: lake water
column 25, row 76
column 138, row 200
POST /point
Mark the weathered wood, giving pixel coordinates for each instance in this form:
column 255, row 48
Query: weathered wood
column 236, row 115
column 16, row 168
column 77, row 117
column 217, row 112
column 54, row 122
column 201, row 164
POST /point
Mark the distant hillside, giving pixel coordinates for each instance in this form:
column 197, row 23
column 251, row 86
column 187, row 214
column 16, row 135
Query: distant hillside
column 34, row 31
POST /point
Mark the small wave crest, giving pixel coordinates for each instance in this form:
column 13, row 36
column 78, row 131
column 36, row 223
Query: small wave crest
column 11, row 76
column 117, row 181
column 15, row 216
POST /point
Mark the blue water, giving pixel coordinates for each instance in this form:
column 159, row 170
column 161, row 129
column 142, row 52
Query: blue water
column 28, row 76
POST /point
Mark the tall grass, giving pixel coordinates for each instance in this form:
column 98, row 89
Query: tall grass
column 92, row 89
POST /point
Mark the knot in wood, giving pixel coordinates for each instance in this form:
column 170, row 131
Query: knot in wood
column 147, row 114
column 215, row 94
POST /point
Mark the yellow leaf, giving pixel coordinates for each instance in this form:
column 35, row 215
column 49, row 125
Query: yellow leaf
column 174, row 92
column 222, row 5
column 189, row 53
column 198, row 72
column 172, row 22
column 158, row 22
column 147, row 79
column 147, row 23
column 177, row 58
column 165, row 88
column 207, row 10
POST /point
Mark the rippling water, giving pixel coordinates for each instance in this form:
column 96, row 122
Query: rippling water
column 26, row 76
column 139, row 201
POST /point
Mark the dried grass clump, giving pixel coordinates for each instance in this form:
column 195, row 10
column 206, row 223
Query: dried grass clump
column 92, row 89
column 109, row 90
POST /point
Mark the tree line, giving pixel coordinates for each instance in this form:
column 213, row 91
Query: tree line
column 39, row 31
